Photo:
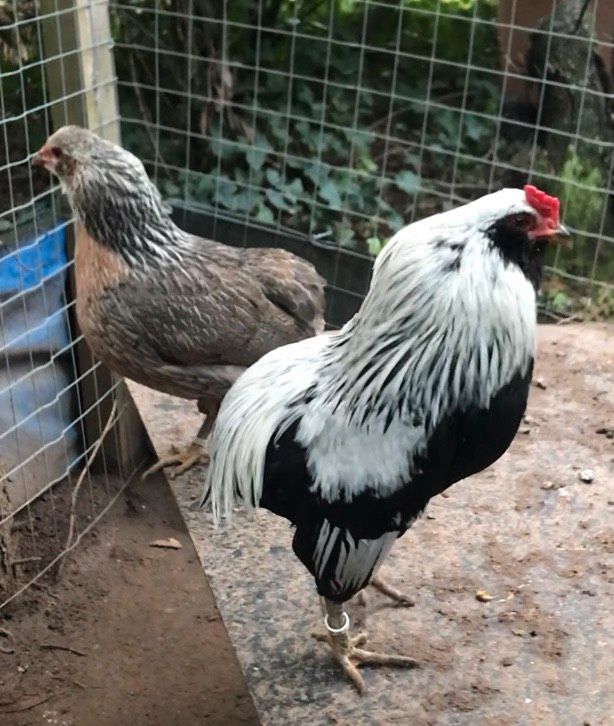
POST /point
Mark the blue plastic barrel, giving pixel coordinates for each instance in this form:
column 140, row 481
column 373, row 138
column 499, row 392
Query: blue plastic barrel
column 39, row 427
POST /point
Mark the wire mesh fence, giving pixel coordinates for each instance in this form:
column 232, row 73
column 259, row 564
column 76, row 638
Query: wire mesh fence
column 62, row 458
column 324, row 126
column 343, row 120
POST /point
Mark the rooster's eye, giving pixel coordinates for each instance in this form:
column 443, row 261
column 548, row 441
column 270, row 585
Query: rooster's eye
column 56, row 151
column 522, row 222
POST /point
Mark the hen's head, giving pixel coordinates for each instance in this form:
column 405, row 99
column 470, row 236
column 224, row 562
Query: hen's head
column 76, row 156
column 108, row 190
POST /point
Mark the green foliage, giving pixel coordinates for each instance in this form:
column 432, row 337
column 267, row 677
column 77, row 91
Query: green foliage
column 284, row 145
column 375, row 245
column 583, row 212
column 578, row 181
column 22, row 81
column 317, row 132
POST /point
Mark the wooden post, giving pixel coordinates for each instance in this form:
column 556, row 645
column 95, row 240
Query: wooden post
column 97, row 68
column 63, row 80
column 82, row 90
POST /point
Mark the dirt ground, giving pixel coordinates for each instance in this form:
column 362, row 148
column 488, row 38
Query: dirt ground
column 129, row 635
column 527, row 531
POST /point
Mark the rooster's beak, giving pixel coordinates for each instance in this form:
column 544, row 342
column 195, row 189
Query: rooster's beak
column 561, row 236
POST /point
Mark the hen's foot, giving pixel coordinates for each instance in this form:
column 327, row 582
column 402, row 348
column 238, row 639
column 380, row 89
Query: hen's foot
column 347, row 652
column 186, row 458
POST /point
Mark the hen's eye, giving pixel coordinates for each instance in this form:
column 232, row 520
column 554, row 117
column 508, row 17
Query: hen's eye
column 522, row 222
column 56, row 151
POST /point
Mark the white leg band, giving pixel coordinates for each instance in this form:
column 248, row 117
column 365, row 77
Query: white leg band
column 338, row 631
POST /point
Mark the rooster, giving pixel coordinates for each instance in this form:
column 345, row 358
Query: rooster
column 172, row 311
column 349, row 435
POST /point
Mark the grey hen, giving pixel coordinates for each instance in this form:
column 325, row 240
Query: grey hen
column 175, row 312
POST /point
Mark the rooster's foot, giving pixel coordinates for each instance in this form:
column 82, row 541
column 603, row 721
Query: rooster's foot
column 399, row 597
column 347, row 652
column 380, row 584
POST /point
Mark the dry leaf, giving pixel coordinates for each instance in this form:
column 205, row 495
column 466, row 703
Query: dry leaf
column 483, row 596
column 171, row 543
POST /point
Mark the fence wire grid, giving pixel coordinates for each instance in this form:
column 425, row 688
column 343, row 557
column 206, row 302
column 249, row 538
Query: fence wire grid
column 334, row 123
column 344, row 120
column 61, row 459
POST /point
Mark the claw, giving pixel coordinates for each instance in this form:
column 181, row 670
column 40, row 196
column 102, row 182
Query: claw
column 185, row 458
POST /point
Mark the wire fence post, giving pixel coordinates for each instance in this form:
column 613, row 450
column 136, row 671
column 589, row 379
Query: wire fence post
column 81, row 72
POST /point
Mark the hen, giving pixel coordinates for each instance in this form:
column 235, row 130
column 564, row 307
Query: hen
column 178, row 313
column 350, row 435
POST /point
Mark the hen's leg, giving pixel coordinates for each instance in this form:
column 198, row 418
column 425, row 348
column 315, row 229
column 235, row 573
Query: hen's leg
column 196, row 451
column 347, row 651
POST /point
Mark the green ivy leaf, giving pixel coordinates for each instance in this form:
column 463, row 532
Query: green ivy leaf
column 294, row 189
column 305, row 95
column 365, row 161
column 278, row 200
column 407, row 181
column 375, row 245
column 475, row 128
column 243, row 201
column 256, row 154
column 345, row 235
column 358, row 137
column 204, row 186
column 222, row 147
column 255, row 157
column 225, row 192
column 390, row 215
column 264, row 214
column 317, row 173
column 273, row 177
column 330, row 194
column 294, row 163
column 170, row 190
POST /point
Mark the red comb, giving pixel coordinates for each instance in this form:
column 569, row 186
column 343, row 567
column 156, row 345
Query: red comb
column 543, row 203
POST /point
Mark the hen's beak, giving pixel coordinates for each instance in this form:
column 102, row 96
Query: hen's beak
column 42, row 157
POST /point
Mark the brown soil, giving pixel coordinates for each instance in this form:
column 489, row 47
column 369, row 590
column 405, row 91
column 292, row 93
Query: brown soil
column 527, row 531
column 148, row 645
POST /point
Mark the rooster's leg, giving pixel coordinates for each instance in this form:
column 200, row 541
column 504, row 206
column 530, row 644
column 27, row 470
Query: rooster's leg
column 380, row 584
column 347, row 651
column 196, row 451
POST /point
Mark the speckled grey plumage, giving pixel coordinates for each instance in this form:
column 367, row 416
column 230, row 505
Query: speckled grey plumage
column 189, row 328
